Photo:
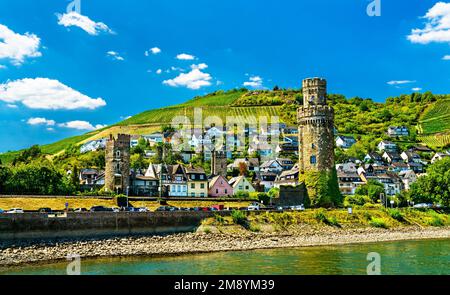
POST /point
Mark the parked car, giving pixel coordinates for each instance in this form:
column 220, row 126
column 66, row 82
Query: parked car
column 115, row 209
column 280, row 208
column 15, row 211
column 1, row 211
column 78, row 210
column 163, row 208
column 253, row 207
column 45, row 210
column 423, row 205
column 298, row 208
column 101, row 209
column 143, row 209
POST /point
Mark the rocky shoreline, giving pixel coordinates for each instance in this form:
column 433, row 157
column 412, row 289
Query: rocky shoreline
column 192, row 243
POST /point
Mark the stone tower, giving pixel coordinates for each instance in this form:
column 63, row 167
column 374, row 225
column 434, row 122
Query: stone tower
column 117, row 170
column 219, row 163
column 316, row 125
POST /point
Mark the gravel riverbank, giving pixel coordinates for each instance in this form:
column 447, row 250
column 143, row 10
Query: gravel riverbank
column 190, row 243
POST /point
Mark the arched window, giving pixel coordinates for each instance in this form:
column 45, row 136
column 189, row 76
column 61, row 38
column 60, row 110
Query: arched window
column 118, row 154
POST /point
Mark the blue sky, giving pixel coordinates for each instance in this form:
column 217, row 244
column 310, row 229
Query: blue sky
column 62, row 74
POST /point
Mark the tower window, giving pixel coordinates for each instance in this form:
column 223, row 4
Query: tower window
column 118, row 154
column 313, row 146
column 313, row 160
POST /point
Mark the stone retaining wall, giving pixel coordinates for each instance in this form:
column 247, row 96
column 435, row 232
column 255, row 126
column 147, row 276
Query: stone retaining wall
column 30, row 226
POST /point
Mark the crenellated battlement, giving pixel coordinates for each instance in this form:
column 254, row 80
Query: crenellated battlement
column 314, row 82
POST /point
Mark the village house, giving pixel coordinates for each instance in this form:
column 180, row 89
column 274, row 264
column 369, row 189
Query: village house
column 394, row 131
column 219, row 187
column 410, row 157
column 398, row 167
column 374, row 158
column 134, row 141
column 197, row 181
column 348, row 182
column 88, row 176
column 251, row 163
column 408, row 177
column 385, row 145
column 93, row 145
column 267, row 179
column 392, row 183
column 439, row 156
column 345, row 142
column 272, row 166
column 141, row 185
column 289, row 177
column 154, row 138
column 416, row 167
column 241, row 184
column 392, row 157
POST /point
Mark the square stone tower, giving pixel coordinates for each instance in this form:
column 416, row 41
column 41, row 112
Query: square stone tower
column 316, row 124
column 219, row 163
column 117, row 169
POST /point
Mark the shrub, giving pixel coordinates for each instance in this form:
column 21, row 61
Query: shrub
column 356, row 200
column 207, row 230
column 239, row 217
column 321, row 217
column 378, row 222
column 219, row 219
column 254, row 228
column 396, row 214
column 242, row 195
column 436, row 221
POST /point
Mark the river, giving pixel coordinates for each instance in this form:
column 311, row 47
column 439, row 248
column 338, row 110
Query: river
column 400, row 257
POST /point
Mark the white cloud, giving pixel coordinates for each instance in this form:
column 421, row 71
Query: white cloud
column 41, row 121
column 81, row 125
column 195, row 79
column 201, row 66
column 83, row 22
column 446, row 57
column 437, row 26
column 50, row 129
column 184, row 56
column 417, row 89
column 12, row 106
column 115, row 55
column 16, row 47
column 400, row 82
column 154, row 50
column 254, row 81
column 159, row 71
column 2, row 67
column 43, row 93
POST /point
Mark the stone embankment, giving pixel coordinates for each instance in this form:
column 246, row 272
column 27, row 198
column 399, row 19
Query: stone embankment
column 200, row 242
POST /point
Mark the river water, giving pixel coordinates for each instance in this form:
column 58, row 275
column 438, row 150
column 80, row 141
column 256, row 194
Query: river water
column 399, row 257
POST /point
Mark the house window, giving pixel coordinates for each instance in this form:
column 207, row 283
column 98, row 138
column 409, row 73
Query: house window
column 247, row 187
column 201, row 177
column 217, row 191
column 313, row 160
column 226, row 191
column 202, row 195
column 192, row 194
column 202, row 185
column 193, row 176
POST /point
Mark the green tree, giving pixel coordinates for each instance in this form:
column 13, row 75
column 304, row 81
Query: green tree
column 435, row 186
column 372, row 188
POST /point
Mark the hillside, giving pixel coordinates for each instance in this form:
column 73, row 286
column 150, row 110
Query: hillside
column 428, row 113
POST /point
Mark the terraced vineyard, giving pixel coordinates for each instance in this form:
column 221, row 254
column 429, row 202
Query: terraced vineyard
column 436, row 140
column 436, row 118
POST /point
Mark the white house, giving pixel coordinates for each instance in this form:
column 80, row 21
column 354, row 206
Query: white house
column 439, row 156
column 345, row 142
column 385, row 145
column 408, row 177
column 395, row 131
